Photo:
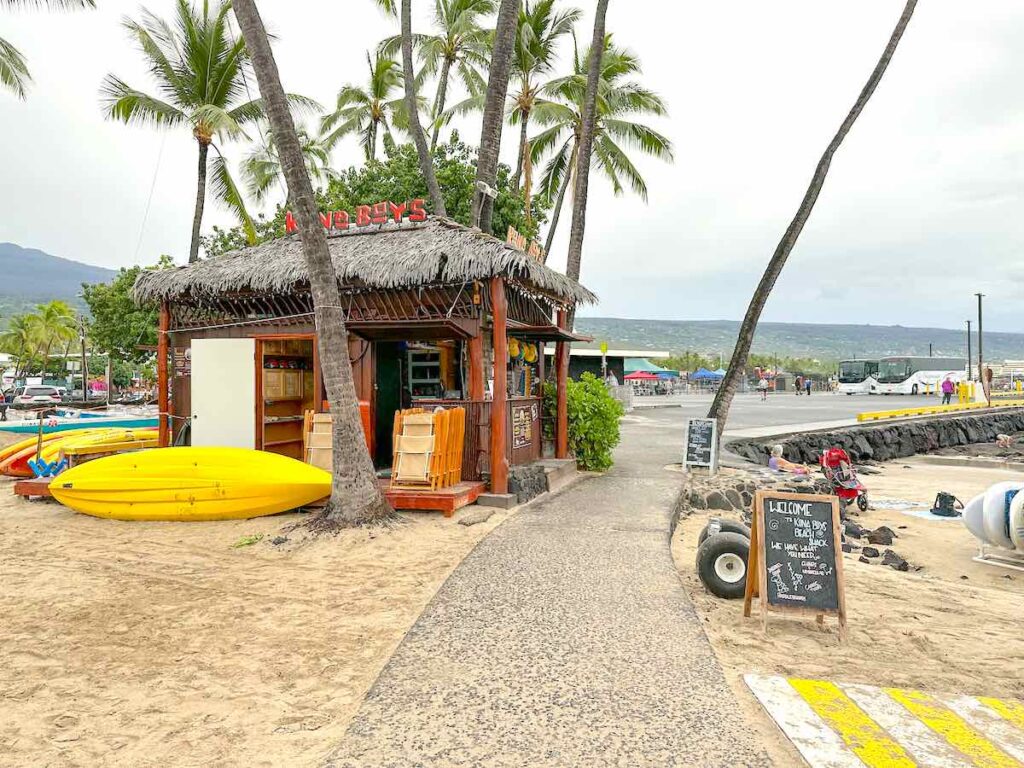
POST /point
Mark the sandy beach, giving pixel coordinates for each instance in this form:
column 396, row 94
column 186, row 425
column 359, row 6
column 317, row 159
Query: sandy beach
column 156, row 644
column 953, row 626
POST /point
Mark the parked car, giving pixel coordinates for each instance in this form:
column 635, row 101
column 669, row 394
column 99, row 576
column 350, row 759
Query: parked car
column 38, row 396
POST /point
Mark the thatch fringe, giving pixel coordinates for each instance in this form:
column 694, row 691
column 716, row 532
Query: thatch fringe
column 436, row 251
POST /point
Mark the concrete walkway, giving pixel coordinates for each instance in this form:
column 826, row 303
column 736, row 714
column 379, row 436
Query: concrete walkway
column 564, row 639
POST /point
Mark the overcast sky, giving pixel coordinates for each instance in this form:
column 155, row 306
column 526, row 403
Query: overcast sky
column 921, row 210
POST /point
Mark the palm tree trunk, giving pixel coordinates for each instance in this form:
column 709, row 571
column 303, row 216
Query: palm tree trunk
column 558, row 203
column 197, row 220
column 723, row 399
column 426, row 161
column 371, row 150
column 355, row 495
column 439, row 101
column 494, row 110
column 584, row 149
column 518, row 176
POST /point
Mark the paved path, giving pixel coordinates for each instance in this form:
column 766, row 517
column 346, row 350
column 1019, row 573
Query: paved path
column 564, row 639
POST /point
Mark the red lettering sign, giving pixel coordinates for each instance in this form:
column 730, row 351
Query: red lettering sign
column 365, row 215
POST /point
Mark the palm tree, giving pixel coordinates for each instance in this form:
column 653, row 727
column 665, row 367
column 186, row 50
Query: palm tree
column 585, row 144
column 370, row 110
column 262, row 172
column 461, row 46
column 201, row 73
column 355, row 494
column 540, row 29
column 727, row 389
column 494, row 109
column 620, row 101
column 52, row 323
column 19, row 339
column 14, row 74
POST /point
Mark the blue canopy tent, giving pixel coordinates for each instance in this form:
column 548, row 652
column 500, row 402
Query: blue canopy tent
column 703, row 374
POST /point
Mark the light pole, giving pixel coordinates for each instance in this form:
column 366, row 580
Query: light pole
column 981, row 373
column 970, row 377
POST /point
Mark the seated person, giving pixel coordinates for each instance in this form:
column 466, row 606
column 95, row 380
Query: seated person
column 779, row 464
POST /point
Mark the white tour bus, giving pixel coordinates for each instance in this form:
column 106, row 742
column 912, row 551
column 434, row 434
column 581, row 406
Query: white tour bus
column 857, row 376
column 913, row 375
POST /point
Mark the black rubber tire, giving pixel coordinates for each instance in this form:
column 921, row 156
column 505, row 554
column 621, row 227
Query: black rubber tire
column 862, row 502
column 913, row 390
column 726, row 526
column 728, row 545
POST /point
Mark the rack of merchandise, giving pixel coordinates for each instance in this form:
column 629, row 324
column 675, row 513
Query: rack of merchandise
column 424, row 372
column 287, row 393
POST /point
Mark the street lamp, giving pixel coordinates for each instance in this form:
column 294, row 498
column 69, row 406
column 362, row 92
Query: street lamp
column 980, row 363
column 969, row 376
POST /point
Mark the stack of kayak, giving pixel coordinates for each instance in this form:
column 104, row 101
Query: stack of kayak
column 190, row 484
column 32, row 457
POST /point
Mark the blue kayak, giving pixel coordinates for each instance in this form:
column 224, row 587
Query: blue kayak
column 31, row 426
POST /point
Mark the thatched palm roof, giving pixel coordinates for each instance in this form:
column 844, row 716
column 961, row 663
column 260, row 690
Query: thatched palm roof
column 438, row 251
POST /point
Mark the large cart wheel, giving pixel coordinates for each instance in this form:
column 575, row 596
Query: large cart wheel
column 722, row 564
column 718, row 525
column 862, row 502
column 913, row 390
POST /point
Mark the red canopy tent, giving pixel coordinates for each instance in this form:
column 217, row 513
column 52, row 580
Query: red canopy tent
column 642, row 376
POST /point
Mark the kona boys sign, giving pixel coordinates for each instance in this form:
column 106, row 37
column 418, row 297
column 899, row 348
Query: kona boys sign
column 365, row 216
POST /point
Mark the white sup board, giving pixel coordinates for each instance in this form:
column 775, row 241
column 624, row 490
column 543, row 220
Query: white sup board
column 997, row 512
column 974, row 517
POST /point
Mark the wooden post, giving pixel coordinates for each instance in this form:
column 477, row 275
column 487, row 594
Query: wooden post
column 476, row 368
column 163, row 401
column 562, row 391
column 499, row 404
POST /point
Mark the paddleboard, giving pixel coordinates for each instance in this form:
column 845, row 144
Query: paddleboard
column 190, row 484
column 1017, row 522
column 973, row 517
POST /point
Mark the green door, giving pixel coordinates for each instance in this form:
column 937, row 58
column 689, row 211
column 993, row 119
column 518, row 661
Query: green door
column 389, row 357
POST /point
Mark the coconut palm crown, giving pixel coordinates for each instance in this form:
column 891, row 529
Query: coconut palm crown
column 203, row 78
column 619, row 102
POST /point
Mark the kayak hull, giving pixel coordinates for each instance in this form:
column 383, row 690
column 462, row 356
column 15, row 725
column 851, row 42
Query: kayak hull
column 30, row 427
column 190, row 484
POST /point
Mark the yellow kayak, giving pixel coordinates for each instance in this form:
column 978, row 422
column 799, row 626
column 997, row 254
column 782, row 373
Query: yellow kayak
column 190, row 484
column 122, row 439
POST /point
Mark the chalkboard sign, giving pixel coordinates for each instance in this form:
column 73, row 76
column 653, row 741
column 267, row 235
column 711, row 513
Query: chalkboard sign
column 796, row 560
column 701, row 448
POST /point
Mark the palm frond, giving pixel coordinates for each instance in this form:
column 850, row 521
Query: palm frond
column 50, row 5
column 14, row 75
column 613, row 161
column 640, row 137
column 227, row 192
column 124, row 103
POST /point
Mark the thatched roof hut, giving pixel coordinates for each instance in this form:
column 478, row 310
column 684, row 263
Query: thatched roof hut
column 436, row 252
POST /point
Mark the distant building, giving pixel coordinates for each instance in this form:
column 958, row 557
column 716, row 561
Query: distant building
column 585, row 360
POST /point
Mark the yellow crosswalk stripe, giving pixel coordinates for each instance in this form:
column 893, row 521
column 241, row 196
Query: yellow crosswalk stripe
column 862, row 734
column 952, row 728
column 1012, row 711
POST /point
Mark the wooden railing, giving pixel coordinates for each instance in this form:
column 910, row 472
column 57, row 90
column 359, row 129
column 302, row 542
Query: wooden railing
column 476, row 453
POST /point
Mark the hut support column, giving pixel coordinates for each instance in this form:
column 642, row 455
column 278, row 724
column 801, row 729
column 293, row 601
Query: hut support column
column 562, row 392
column 162, row 391
column 499, row 403
column 476, row 368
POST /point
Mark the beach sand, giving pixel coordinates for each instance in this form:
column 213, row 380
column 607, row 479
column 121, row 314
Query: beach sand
column 157, row 644
column 931, row 629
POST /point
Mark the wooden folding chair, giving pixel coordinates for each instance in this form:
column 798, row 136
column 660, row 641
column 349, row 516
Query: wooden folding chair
column 413, row 457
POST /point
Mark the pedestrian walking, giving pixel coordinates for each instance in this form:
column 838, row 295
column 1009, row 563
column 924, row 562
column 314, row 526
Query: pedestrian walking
column 947, row 391
column 799, row 385
column 762, row 387
column 807, row 385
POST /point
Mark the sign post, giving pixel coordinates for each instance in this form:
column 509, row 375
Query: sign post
column 604, row 360
column 701, row 445
column 795, row 563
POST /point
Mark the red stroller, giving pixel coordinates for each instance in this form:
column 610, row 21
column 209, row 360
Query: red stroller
column 839, row 471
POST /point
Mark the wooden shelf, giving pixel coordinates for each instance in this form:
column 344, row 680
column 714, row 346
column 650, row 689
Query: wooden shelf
column 272, row 443
column 283, row 419
column 272, row 400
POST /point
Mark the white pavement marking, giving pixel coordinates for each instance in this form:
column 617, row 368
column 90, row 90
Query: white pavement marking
column 820, row 746
column 988, row 723
column 928, row 749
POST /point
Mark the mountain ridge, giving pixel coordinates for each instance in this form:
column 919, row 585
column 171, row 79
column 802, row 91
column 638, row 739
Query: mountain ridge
column 29, row 276
column 822, row 341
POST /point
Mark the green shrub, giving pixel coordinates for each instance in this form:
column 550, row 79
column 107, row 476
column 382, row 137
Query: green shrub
column 593, row 421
